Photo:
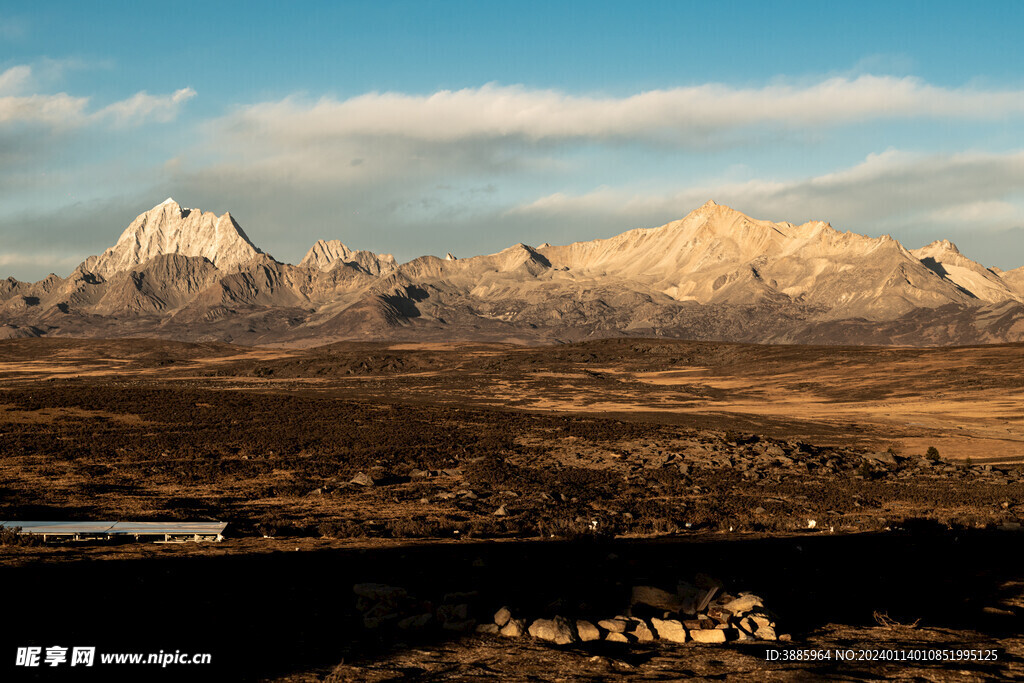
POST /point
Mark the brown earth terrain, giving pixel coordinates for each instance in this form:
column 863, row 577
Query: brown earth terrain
column 530, row 475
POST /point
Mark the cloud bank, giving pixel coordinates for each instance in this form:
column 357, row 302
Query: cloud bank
column 893, row 181
column 677, row 115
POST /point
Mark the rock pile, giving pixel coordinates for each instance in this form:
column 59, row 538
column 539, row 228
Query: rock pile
column 700, row 612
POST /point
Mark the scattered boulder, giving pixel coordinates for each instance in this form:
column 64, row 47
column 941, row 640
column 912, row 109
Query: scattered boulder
column 883, row 457
column 719, row 613
column 362, row 479
column 759, row 626
column 487, row 629
column 614, row 625
column 514, row 628
column 616, row 638
column 643, row 633
column 669, row 629
column 714, row 635
column 587, row 631
column 743, row 604
column 502, row 616
column 557, row 630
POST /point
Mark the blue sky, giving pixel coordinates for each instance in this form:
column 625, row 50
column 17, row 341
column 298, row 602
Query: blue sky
column 427, row 127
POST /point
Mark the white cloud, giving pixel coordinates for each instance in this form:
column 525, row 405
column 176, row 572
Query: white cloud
column 984, row 212
column 56, row 111
column 380, row 138
column 19, row 105
column 947, row 188
column 679, row 115
column 142, row 107
column 14, row 79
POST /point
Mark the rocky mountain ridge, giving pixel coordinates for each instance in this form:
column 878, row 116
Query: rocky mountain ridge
column 714, row 274
column 168, row 228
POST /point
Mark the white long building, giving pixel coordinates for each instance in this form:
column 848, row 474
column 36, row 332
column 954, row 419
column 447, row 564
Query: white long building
column 167, row 532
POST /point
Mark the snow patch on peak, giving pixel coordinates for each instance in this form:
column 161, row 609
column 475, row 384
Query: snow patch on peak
column 169, row 200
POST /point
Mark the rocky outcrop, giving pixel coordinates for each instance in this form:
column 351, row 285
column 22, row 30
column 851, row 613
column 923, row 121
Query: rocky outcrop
column 169, row 229
column 164, row 283
column 1014, row 279
column 325, row 255
column 984, row 284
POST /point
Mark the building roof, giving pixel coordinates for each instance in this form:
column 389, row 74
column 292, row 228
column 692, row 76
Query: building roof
column 117, row 528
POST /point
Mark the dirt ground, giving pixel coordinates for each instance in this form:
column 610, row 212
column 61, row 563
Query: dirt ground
column 283, row 609
column 966, row 401
column 744, row 452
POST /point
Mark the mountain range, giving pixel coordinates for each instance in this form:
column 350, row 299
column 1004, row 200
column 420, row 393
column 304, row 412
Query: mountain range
column 716, row 274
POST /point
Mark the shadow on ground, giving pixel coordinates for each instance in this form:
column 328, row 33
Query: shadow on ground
column 271, row 614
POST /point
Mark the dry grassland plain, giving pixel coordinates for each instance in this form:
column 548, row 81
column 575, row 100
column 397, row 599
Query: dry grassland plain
column 613, row 462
